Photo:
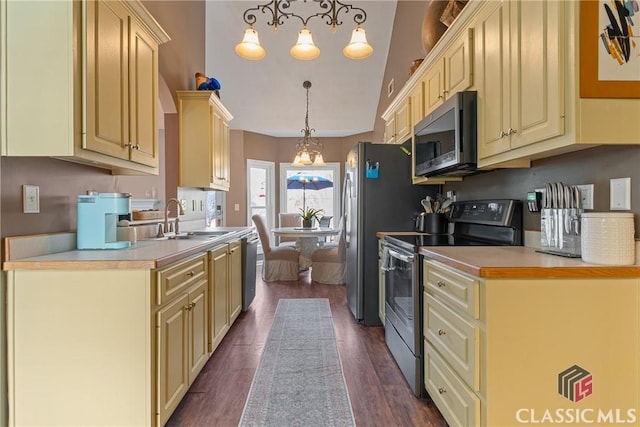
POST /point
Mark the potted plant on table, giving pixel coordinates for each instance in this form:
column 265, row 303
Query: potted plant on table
column 308, row 215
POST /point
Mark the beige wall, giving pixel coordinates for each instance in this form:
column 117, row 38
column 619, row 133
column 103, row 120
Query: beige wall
column 249, row 145
column 405, row 46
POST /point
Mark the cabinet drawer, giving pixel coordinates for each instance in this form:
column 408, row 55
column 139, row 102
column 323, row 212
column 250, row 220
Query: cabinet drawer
column 172, row 280
column 455, row 288
column 457, row 339
column 457, row 403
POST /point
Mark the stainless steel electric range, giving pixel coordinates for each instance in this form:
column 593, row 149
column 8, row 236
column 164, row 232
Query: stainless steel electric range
column 478, row 223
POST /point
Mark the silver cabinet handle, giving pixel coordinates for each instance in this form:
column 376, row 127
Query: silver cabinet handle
column 502, row 134
column 511, row 131
column 442, row 332
column 440, row 284
column 442, row 390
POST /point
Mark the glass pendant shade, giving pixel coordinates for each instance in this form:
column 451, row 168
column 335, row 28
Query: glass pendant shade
column 250, row 47
column 305, row 159
column 358, row 48
column 318, row 161
column 304, row 49
column 296, row 161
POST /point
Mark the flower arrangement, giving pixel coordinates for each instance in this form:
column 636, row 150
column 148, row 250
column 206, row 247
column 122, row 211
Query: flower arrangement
column 308, row 215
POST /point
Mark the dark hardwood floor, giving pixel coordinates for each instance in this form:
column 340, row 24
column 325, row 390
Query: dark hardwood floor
column 379, row 393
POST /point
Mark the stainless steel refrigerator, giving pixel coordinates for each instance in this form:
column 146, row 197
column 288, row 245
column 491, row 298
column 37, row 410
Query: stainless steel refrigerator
column 377, row 196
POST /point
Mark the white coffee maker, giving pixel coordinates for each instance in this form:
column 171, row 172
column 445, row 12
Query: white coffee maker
column 98, row 215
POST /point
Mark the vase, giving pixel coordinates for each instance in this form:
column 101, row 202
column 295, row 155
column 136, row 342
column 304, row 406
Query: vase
column 307, row 223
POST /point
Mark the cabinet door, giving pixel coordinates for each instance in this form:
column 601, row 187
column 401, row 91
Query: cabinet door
column 107, row 79
column 220, row 141
column 417, row 104
column 235, row 281
column 537, row 71
column 492, row 43
column 195, row 133
column 403, row 122
column 143, row 96
column 172, row 348
column 198, row 329
column 390, row 130
column 433, row 82
column 218, row 296
column 458, row 64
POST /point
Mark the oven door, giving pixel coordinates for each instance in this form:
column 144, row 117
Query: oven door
column 401, row 293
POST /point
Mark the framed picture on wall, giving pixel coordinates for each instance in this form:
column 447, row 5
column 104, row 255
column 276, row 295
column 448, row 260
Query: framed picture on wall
column 609, row 49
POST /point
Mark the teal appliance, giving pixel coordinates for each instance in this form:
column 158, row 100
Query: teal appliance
column 98, row 215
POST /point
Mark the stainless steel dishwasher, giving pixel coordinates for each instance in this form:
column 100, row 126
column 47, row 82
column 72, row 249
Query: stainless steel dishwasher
column 249, row 260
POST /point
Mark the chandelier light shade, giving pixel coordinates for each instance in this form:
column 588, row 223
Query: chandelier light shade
column 307, row 146
column 249, row 47
column 358, row 48
column 305, row 49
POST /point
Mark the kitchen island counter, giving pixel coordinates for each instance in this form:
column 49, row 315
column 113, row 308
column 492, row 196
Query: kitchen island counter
column 519, row 262
column 57, row 251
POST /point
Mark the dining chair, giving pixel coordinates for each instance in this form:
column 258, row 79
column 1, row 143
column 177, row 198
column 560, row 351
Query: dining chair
column 328, row 263
column 288, row 220
column 280, row 262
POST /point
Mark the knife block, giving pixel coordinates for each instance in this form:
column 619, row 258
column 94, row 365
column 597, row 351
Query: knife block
column 560, row 231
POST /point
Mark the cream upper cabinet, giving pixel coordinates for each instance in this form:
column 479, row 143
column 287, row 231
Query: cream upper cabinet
column 398, row 126
column 204, row 137
column 450, row 74
column 521, row 74
column 99, row 103
column 485, row 338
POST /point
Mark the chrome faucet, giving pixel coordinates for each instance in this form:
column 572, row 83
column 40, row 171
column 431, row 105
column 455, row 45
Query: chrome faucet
column 166, row 214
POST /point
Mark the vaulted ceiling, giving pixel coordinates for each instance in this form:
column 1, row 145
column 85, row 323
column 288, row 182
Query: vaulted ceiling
column 267, row 96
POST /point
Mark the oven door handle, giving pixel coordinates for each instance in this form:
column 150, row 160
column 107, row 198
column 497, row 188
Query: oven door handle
column 398, row 255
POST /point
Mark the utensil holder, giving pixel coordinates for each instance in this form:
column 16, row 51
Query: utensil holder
column 434, row 223
column 560, row 231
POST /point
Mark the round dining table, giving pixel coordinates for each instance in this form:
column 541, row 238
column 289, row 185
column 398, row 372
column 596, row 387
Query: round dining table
column 307, row 239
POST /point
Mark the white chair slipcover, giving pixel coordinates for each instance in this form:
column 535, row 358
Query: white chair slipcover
column 280, row 262
column 328, row 263
column 288, row 220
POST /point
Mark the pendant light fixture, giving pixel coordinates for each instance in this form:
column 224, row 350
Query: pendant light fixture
column 307, row 146
column 305, row 49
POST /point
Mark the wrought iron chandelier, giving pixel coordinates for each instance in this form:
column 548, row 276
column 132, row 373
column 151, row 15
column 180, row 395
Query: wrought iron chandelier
column 305, row 49
column 307, row 146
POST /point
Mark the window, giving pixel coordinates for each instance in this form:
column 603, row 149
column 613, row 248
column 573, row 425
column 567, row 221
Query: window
column 315, row 187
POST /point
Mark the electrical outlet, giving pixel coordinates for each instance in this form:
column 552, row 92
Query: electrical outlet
column 30, row 199
column 620, row 194
column 586, row 192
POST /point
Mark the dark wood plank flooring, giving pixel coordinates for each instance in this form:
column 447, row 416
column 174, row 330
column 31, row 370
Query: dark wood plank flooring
column 379, row 393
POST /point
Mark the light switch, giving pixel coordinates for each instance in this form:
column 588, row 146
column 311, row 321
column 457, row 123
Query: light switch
column 620, row 194
column 236, row 207
column 30, row 199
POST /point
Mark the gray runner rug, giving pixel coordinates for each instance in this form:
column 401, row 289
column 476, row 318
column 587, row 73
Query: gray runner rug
column 299, row 381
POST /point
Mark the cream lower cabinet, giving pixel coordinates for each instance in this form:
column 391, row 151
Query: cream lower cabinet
column 182, row 322
column 114, row 126
column 506, row 352
column 235, row 280
column 225, row 290
column 204, row 138
column 105, row 347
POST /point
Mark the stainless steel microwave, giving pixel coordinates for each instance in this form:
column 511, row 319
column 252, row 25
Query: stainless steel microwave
column 446, row 139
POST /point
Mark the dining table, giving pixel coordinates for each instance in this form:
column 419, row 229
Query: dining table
column 307, row 239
